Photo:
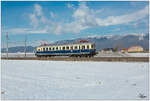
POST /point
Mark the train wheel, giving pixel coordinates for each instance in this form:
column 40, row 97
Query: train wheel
column 79, row 56
column 38, row 56
column 90, row 56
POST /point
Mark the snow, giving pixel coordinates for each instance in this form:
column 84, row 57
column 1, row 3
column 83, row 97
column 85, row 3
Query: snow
column 19, row 54
column 100, row 54
column 138, row 54
column 34, row 79
column 140, row 35
column 120, row 54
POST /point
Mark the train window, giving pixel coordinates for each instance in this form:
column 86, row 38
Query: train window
column 63, row 48
column 49, row 48
column 53, row 48
column 38, row 49
column 83, row 47
column 75, row 47
column 56, row 48
column 46, row 49
column 87, row 46
column 43, row 49
column 67, row 47
column 79, row 47
column 92, row 46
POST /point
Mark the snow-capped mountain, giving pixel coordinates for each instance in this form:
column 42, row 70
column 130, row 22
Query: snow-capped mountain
column 101, row 41
column 141, row 36
column 110, row 41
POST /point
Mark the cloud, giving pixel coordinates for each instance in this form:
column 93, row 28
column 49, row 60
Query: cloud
column 83, row 18
column 117, row 29
column 25, row 31
column 38, row 9
column 69, row 5
column 18, row 30
column 59, row 29
column 52, row 14
column 34, row 20
column 37, row 19
column 38, row 31
column 123, row 19
column 87, row 17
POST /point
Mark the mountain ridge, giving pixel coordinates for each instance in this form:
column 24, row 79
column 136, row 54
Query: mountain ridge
column 101, row 41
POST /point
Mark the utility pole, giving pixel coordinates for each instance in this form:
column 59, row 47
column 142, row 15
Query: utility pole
column 25, row 46
column 7, row 44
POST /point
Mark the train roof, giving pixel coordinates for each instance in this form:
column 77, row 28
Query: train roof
column 64, row 44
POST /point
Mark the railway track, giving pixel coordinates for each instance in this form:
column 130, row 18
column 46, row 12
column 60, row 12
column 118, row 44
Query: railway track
column 125, row 59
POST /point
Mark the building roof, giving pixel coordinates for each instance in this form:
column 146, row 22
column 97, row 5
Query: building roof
column 124, row 48
column 135, row 46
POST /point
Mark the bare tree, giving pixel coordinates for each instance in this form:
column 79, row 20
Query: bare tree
column 115, row 47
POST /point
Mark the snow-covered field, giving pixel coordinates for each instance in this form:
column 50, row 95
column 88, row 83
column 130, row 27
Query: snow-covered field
column 18, row 55
column 120, row 54
column 113, row 54
column 138, row 54
column 33, row 79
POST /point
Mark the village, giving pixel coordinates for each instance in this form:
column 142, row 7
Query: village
column 132, row 49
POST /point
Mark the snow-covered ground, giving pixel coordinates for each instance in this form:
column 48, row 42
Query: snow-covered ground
column 34, row 79
column 138, row 54
column 18, row 54
column 120, row 54
column 113, row 54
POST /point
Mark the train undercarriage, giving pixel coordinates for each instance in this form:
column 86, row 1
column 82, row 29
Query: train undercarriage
column 66, row 55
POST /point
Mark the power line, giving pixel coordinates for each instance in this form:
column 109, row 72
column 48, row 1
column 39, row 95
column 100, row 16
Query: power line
column 7, row 45
column 25, row 46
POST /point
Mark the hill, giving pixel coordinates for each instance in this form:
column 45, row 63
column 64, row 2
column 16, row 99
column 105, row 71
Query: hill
column 103, row 41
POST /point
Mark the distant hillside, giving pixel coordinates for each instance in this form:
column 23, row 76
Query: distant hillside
column 110, row 41
column 103, row 41
column 18, row 49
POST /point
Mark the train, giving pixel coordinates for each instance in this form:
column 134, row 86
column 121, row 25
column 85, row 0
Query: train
column 82, row 49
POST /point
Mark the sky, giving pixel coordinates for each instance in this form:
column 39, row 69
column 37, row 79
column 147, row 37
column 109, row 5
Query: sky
column 50, row 21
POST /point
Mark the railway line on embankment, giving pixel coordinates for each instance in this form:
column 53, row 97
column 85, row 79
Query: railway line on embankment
column 114, row 59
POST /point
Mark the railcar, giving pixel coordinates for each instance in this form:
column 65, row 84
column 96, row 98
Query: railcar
column 72, row 50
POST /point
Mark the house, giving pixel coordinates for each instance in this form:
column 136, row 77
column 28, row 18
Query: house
column 124, row 50
column 135, row 49
column 107, row 50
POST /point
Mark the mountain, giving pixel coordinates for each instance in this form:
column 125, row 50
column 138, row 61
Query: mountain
column 102, row 41
column 111, row 41
column 18, row 49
